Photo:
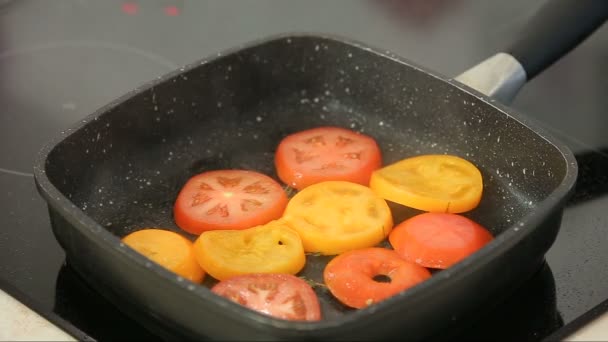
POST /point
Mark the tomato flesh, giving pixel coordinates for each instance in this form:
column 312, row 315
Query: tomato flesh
column 168, row 249
column 282, row 296
column 336, row 216
column 355, row 277
column 228, row 199
column 271, row 248
column 435, row 183
column 324, row 154
column 438, row 240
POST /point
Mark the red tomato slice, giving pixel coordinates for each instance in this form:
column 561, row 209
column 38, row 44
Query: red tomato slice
column 279, row 295
column 228, row 199
column 438, row 240
column 362, row 277
column 325, row 154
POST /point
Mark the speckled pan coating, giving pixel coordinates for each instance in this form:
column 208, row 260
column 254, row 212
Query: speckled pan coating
column 121, row 168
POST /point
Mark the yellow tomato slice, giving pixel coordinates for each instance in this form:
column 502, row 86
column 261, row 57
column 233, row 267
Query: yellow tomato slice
column 434, row 183
column 270, row 248
column 337, row 216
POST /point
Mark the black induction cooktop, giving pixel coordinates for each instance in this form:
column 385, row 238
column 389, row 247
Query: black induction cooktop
column 61, row 60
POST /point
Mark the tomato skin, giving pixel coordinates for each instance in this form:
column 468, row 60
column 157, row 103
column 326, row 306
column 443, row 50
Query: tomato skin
column 282, row 296
column 434, row 183
column 438, row 240
column 350, row 276
column 325, row 154
column 336, row 216
column 228, row 199
column 168, row 249
column 271, row 248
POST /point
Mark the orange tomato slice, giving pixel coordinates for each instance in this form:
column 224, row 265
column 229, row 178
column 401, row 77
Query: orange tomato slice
column 271, row 248
column 168, row 249
column 435, row 183
column 336, row 216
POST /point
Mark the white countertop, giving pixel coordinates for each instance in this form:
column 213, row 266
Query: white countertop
column 20, row 323
column 596, row 330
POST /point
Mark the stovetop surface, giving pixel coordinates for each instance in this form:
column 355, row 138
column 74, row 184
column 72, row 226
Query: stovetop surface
column 61, row 60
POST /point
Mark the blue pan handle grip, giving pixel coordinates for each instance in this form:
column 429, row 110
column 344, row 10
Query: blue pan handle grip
column 557, row 27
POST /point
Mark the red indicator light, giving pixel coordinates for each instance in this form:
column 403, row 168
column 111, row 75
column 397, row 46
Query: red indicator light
column 171, row 11
column 130, row 8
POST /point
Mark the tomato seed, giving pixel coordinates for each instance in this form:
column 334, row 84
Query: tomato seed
column 333, row 165
column 229, row 182
column 220, row 209
column 297, row 305
column 316, row 141
column 256, row 188
column 236, row 297
column 342, row 141
column 200, row 198
column 302, row 156
column 270, row 289
column 250, row 204
column 372, row 211
column 205, row 186
column 353, row 155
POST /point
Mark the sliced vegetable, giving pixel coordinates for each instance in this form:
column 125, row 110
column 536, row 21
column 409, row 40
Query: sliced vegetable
column 435, row 183
column 168, row 249
column 366, row 276
column 228, row 199
column 279, row 295
column 335, row 216
column 324, row 154
column 438, row 240
column 271, row 248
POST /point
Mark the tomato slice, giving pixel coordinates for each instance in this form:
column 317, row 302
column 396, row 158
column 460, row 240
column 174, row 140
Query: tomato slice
column 228, row 199
column 279, row 295
column 168, row 249
column 435, row 183
column 438, row 240
column 362, row 277
column 324, row 154
column 335, row 216
column 271, row 248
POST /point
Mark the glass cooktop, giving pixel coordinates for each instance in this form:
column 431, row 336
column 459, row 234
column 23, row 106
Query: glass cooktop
column 61, row 60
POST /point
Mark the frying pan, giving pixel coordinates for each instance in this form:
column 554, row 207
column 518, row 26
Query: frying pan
column 121, row 168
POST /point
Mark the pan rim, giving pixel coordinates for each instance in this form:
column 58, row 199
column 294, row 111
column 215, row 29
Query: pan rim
column 504, row 241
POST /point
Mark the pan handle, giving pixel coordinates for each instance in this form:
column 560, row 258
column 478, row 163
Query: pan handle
column 557, row 27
